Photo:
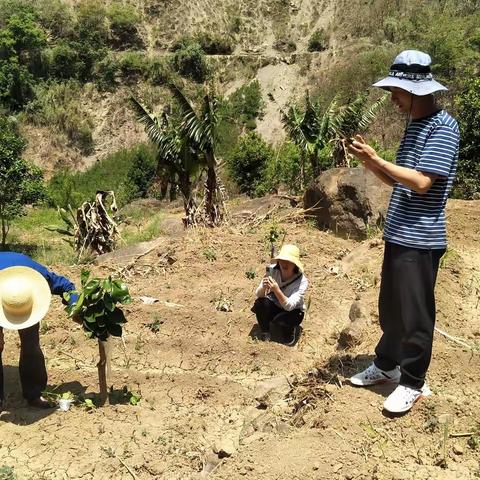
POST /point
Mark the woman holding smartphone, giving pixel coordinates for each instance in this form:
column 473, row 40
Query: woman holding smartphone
column 280, row 296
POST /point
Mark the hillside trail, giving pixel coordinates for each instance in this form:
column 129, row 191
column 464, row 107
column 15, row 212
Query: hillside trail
column 216, row 402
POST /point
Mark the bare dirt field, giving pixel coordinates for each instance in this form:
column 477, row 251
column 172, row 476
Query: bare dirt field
column 217, row 403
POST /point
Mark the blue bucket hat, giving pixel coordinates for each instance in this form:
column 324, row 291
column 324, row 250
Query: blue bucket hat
column 411, row 72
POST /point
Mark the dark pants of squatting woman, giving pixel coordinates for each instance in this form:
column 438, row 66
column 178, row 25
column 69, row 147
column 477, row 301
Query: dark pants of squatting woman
column 268, row 314
column 33, row 374
column 407, row 311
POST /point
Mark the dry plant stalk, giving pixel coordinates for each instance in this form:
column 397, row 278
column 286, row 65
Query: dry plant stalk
column 95, row 229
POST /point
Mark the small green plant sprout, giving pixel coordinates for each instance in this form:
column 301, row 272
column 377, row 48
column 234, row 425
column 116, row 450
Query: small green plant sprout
column 210, row 254
column 6, row 473
column 88, row 404
column 222, row 303
column 274, row 233
column 67, row 396
column 155, row 325
column 251, row 273
column 124, row 396
column 134, row 398
column 474, row 441
column 69, row 228
column 96, row 308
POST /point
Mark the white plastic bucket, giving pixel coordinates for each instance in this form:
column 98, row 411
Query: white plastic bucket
column 64, row 404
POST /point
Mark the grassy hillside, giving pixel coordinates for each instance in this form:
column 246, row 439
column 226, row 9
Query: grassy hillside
column 85, row 58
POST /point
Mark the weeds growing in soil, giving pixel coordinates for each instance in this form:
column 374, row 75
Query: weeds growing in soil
column 210, row 254
column 251, row 273
column 6, row 473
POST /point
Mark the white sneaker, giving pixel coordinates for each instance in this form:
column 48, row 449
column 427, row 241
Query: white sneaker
column 373, row 375
column 402, row 399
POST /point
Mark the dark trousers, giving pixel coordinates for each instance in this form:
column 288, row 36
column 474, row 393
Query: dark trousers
column 268, row 314
column 407, row 311
column 33, row 374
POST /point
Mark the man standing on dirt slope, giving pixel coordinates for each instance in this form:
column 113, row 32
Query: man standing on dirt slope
column 25, row 293
column 415, row 237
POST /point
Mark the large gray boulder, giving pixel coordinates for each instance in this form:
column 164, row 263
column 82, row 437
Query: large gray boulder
column 347, row 201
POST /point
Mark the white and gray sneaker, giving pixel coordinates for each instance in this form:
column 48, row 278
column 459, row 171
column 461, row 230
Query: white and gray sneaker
column 402, row 399
column 374, row 375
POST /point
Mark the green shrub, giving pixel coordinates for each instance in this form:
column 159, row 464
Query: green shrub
column 215, row 43
column 248, row 162
column 318, row 42
column 189, row 61
column 246, row 104
column 61, row 190
column 7, row 473
column 110, row 173
column 14, row 7
column 92, row 23
column 21, row 43
column 56, row 16
column 285, row 45
column 140, row 175
column 283, row 169
column 123, row 25
column 20, row 182
column 60, row 105
column 159, row 71
column 467, row 184
column 65, row 62
column 134, row 64
column 16, row 84
column 105, row 73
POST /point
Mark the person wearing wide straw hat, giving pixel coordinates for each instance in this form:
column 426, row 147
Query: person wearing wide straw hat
column 280, row 296
column 415, row 232
column 26, row 288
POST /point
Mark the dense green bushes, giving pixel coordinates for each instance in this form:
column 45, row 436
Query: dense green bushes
column 318, row 41
column 258, row 169
column 467, row 184
column 124, row 21
column 141, row 174
column 21, row 43
column 239, row 112
column 20, row 182
column 247, row 105
column 49, row 39
column 211, row 43
column 129, row 173
column 248, row 161
column 189, row 61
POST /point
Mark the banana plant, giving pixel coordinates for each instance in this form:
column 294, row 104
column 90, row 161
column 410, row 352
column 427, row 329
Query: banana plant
column 352, row 119
column 96, row 309
column 186, row 145
column 201, row 131
column 319, row 133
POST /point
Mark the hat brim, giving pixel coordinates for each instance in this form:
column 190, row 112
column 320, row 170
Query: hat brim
column 415, row 87
column 40, row 304
column 290, row 259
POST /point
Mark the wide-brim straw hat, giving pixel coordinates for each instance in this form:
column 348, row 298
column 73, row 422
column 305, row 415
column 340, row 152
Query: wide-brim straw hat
column 291, row 253
column 24, row 297
column 411, row 72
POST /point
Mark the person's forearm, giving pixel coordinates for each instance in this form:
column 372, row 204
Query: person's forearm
column 382, row 176
column 408, row 177
column 280, row 296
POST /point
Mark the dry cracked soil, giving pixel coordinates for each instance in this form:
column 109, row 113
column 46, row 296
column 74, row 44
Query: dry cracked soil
column 217, row 403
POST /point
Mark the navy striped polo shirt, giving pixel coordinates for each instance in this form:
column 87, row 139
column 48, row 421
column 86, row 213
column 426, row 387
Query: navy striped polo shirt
column 416, row 220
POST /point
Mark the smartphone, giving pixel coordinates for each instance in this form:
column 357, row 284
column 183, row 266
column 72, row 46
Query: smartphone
column 269, row 270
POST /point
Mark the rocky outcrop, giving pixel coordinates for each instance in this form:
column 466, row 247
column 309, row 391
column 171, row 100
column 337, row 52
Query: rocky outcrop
column 347, row 201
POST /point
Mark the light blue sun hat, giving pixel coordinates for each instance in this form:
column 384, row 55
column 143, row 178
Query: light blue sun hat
column 411, row 71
